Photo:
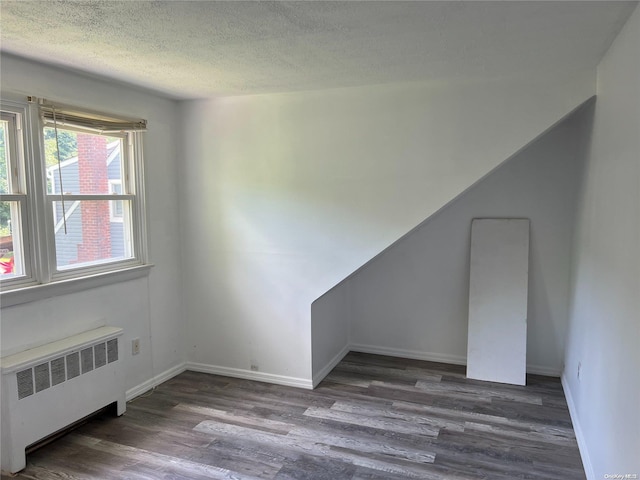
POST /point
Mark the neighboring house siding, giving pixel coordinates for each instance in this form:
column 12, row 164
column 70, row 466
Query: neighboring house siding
column 113, row 168
column 67, row 244
column 70, row 180
column 70, row 183
column 117, row 243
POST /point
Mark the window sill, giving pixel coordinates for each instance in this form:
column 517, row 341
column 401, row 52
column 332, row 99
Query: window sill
column 64, row 287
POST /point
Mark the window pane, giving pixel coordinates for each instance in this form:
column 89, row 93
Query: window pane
column 92, row 236
column 87, row 161
column 117, row 209
column 11, row 263
column 4, row 158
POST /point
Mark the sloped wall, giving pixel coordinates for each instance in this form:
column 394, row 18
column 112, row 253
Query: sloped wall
column 283, row 196
column 601, row 378
column 412, row 300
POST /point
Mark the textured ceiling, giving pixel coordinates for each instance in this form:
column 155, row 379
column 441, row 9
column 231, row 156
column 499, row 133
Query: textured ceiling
column 202, row 49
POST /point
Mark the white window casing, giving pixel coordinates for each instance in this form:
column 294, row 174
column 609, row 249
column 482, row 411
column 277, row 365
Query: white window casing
column 42, row 275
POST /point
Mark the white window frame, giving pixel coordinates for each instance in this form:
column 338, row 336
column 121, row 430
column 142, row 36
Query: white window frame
column 114, row 215
column 17, row 173
column 41, row 277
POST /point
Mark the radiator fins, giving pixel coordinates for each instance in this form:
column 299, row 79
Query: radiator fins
column 59, row 370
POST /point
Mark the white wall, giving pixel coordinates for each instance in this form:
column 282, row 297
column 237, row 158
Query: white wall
column 604, row 332
column 150, row 307
column 330, row 336
column 285, row 195
column 413, row 299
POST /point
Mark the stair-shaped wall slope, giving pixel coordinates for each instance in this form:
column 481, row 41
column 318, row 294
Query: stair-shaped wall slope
column 412, row 299
column 283, row 196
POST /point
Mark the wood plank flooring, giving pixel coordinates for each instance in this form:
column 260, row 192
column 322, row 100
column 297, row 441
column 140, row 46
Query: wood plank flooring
column 372, row 418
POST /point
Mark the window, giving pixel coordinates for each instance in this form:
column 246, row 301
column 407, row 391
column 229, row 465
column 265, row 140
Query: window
column 13, row 199
column 116, row 208
column 72, row 194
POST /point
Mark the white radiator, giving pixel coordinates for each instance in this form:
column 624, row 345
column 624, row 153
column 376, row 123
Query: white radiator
column 47, row 388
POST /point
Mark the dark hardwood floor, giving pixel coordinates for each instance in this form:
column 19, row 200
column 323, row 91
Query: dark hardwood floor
column 372, row 418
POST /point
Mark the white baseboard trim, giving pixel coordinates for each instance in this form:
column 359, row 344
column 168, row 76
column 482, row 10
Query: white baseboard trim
column 441, row 358
column 318, row 377
column 155, row 381
column 545, row 371
column 251, row 375
column 577, row 428
column 413, row 354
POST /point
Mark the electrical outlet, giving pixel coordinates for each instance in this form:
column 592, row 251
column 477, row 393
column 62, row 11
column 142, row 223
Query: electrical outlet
column 135, row 346
column 254, row 366
column 579, row 369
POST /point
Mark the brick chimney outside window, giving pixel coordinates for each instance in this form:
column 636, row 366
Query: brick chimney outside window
column 93, row 177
